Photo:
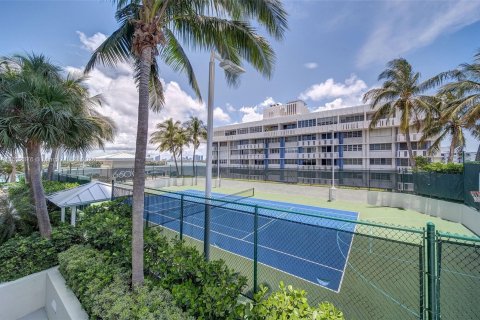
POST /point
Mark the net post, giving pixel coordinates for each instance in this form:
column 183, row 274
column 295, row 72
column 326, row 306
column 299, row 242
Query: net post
column 255, row 251
column 206, row 231
column 113, row 188
column 431, row 278
column 181, row 217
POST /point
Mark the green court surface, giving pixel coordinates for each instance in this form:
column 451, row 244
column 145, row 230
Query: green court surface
column 378, row 214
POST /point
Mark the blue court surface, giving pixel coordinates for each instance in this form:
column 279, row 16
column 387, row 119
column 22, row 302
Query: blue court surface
column 314, row 249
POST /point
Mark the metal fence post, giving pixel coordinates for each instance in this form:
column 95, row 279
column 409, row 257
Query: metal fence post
column 181, row 217
column 255, row 251
column 113, row 188
column 431, row 276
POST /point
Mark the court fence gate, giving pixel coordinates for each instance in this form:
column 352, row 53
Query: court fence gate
column 389, row 272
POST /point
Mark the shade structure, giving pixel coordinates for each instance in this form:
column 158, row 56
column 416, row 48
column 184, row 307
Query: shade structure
column 95, row 191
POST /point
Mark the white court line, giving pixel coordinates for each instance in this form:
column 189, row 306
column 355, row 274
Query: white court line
column 268, row 248
column 272, row 221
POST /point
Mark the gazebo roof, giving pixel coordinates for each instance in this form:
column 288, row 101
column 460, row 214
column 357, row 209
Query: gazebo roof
column 94, row 191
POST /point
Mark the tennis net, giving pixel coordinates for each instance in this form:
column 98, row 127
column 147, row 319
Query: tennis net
column 169, row 204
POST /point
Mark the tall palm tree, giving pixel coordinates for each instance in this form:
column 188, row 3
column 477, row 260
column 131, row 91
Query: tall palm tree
column 197, row 132
column 37, row 108
column 446, row 123
column 466, row 83
column 166, row 138
column 181, row 141
column 400, row 92
column 151, row 29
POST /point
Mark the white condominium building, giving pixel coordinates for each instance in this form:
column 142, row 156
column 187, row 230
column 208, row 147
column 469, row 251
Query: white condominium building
column 290, row 136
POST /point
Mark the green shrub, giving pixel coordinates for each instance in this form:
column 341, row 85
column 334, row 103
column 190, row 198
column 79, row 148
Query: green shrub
column 21, row 256
column 423, row 164
column 206, row 290
column 286, row 304
column 102, row 287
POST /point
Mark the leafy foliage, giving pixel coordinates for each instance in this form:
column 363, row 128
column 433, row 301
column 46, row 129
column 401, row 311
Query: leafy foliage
column 288, row 304
column 22, row 256
column 101, row 286
column 438, row 167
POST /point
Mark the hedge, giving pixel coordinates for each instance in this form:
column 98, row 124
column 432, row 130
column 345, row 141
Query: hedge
column 102, row 287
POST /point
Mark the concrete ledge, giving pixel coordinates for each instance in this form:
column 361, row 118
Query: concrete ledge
column 45, row 289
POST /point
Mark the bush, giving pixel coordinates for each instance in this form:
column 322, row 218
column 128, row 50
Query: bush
column 205, row 290
column 22, row 256
column 286, row 304
column 102, row 287
column 423, row 164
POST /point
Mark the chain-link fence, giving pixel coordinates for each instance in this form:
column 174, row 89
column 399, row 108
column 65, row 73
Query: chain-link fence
column 369, row 271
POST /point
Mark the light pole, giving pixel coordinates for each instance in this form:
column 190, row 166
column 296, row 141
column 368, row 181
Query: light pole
column 232, row 68
column 331, row 192
column 218, row 164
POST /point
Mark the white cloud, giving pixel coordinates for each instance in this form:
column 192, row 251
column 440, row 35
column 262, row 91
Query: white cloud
column 250, row 114
column 311, row 65
column 220, row 115
column 332, row 89
column 230, row 108
column 413, row 24
column 255, row 113
column 93, row 42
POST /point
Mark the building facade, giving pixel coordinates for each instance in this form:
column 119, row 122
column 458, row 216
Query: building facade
column 289, row 136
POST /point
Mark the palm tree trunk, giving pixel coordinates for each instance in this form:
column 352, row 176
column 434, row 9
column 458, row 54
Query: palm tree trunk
column 37, row 188
column 139, row 169
column 181, row 162
column 452, row 148
column 409, row 147
column 193, row 163
column 176, row 165
column 26, row 170
column 477, row 156
column 13, row 174
column 51, row 163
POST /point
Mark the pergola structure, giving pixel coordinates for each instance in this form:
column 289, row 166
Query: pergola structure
column 95, row 191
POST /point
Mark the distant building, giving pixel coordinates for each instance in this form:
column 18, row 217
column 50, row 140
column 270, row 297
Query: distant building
column 289, row 136
column 459, row 157
column 118, row 160
column 198, row 157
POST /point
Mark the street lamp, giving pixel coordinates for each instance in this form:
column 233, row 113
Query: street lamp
column 331, row 192
column 231, row 68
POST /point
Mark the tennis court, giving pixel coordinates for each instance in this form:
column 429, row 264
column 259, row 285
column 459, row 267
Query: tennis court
column 286, row 240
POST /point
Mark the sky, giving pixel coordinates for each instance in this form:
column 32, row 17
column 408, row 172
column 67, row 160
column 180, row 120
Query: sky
column 331, row 55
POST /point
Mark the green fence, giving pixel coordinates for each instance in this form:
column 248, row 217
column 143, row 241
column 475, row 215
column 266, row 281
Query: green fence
column 390, row 272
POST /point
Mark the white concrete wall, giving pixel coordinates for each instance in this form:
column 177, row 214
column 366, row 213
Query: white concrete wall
column 45, row 289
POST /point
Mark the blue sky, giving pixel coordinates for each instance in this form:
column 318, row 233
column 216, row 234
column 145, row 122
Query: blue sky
column 331, row 54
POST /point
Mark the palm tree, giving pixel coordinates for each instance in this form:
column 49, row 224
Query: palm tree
column 166, row 138
column 446, row 122
column 466, row 83
column 401, row 92
column 197, row 132
column 151, row 29
column 181, row 141
column 37, row 108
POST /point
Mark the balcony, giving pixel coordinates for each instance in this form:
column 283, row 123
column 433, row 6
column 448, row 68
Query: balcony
column 413, row 137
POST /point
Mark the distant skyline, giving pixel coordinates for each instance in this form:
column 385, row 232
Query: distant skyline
column 332, row 54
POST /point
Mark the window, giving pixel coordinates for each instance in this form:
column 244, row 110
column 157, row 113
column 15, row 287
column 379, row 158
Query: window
column 352, row 118
column 326, row 121
column 273, row 161
column 274, row 140
column 415, row 146
column 307, row 137
column 258, row 162
column 381, row 161
column 291, row 150
column 352, row 147
column 403, row 162
column 352, row 134
column 242, row 131
column 329, row 149
column 290, row 161
column 353, row 161
column 328, row 162
column 243, row 142
column 289, row 126
column 291, row 139
column 255, row 129
column 307, row 162
column 307, row 123
column 328, row 136
column 230, row 132
column 380, row 146
column 223, row 144
column 274, row 150
column 234, row 152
